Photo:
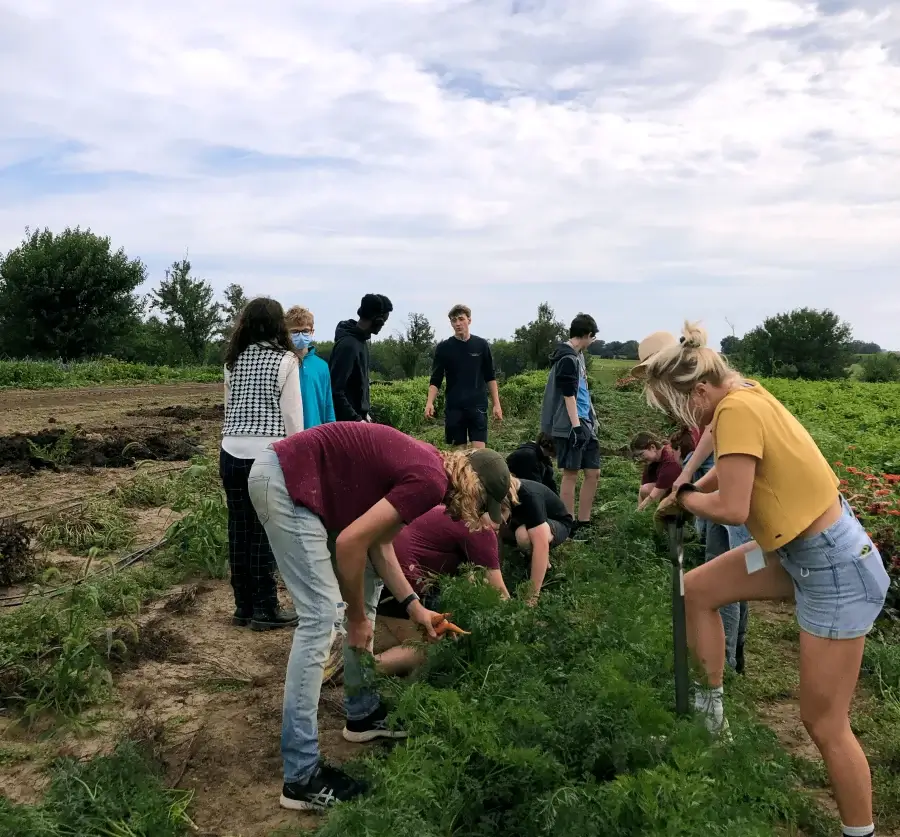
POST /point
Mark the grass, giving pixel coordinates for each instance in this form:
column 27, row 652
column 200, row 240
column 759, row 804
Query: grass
column 34, row 374
column 98, row 527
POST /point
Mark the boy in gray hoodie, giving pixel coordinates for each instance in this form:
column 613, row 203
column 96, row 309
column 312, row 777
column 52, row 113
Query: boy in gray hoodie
column 568, row 415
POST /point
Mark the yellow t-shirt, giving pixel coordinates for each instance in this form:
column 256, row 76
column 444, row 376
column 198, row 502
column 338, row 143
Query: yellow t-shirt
column 794, row 484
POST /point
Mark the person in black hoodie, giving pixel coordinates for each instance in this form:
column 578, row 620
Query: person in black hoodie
column 349, row 361
column 534, row 461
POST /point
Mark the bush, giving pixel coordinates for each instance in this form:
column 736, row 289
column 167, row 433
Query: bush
column 881, row 368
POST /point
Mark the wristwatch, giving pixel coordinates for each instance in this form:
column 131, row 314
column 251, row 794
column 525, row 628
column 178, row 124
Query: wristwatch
column 412, row 597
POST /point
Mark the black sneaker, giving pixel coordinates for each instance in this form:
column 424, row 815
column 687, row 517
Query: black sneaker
column 241, row 618
column 270, row 621
column 326, row 787
column 370, row 728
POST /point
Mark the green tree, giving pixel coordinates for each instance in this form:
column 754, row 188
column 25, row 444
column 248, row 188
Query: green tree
column 68, row 295
column 189, row 307
column 509, row 359
column 731, row 345
column 804, row 343
column 415, row 346
column 235, row 300
column 538, row 339
column 881, row 368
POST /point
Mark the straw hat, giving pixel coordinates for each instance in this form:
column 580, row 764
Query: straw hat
column 650, row 346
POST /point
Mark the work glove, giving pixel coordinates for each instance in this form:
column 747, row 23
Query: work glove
column 580, row 436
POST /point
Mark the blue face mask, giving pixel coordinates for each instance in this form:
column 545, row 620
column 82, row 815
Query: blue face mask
column 301, row 340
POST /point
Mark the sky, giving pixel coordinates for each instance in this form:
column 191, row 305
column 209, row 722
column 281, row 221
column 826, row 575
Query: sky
column 645, row 161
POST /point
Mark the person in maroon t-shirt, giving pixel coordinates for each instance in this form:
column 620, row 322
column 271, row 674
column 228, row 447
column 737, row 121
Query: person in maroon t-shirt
column 433, row 545
column 359, row 482
column 663, row 467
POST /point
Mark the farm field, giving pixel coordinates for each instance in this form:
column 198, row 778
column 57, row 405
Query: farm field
column 554, row 721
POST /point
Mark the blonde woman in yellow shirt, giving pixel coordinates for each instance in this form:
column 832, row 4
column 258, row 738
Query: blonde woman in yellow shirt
column 809, row 546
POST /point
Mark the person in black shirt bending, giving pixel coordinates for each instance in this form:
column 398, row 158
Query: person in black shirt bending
column 466, row 361
column 349, row 360
column 534, row 461
column 538, row 523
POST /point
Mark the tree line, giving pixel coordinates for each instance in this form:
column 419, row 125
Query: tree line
column 70, row 296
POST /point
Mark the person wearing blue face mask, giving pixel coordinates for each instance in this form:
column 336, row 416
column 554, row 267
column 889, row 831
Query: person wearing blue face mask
column 315, row 378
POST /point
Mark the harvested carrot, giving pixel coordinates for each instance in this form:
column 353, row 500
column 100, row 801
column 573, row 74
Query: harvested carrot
column 442, row 625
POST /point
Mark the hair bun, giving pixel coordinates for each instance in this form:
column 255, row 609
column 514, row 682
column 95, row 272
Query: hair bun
column 694, row 336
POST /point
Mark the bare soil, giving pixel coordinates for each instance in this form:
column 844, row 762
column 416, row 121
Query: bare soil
column 113, row 428
column 208, row 697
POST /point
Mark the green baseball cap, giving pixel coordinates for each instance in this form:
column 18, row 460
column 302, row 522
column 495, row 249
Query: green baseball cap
column 493, row 473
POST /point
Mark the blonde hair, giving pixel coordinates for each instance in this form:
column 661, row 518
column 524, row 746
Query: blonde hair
column 672, row 374
column 512, row 498
column 465, row 497
column 297, row 317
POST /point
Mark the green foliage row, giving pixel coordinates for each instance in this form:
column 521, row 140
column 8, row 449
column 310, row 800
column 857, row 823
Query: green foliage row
column 48, row 374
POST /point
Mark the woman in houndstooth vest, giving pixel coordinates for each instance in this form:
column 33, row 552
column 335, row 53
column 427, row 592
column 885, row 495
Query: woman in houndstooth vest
column 262, row 405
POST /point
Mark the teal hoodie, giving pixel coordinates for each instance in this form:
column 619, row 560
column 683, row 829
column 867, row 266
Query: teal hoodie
column 315, row 389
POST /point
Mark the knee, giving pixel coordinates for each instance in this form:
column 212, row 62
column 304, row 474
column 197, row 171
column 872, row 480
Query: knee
column 522, row 539
column 592, row 475
column 696, row 595
column 823, row 725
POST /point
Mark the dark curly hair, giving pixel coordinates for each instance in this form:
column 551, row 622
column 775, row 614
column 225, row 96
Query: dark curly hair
column 261, row 321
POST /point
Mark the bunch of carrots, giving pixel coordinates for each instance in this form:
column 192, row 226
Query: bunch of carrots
column 442, row 625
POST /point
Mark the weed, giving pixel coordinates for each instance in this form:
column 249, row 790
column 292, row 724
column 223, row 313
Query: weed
column 56, row 454
column 201, row 537
column 102, row 524
column 18, row 562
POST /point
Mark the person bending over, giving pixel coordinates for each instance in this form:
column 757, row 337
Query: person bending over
column 315, row 378
column 432, row 546
column 360, row 482
column 808, row 545
column 466, row 361
column 262, row 405
column 538, row 523
column 534, row 461
column 661, row 468
column 349, row 360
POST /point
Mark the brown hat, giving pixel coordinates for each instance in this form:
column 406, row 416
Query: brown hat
column 493, row 473
column 650, row 346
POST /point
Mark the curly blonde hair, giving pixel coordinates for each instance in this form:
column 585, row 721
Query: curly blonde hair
column 299, row 317
column 672, row 374
column 465, row 499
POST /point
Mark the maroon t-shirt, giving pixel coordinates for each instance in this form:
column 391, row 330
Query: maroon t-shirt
column 665, row 472
column 435, row 544
column 340, row 470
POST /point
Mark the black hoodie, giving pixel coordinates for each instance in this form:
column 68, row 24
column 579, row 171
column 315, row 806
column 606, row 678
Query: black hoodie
column 349, row 367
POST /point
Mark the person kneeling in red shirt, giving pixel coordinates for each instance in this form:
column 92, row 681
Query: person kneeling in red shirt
column 434, row 545
column 361, row 482
column 662, row 468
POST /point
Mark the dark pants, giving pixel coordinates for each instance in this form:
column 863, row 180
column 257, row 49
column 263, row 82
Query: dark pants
column 249, row 555
column 734, row 616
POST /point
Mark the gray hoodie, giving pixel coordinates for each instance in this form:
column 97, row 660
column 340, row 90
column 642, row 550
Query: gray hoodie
column 565, row 374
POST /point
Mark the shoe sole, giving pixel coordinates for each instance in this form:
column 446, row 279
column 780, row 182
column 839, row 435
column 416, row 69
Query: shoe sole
column 372, row 735
column 300, row 805
column 239, row 621
column 272, row 626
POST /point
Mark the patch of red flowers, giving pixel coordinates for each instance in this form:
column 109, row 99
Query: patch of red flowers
column 875, row 498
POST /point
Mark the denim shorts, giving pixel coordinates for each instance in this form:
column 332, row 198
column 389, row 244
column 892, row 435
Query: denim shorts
column 840, row 582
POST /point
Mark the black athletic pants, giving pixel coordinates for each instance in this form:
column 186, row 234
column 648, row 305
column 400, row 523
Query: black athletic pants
column 249, row 555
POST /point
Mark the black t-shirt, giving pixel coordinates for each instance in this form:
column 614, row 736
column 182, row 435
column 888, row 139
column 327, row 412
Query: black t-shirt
column 537, row 505
column 528, row 462
column 468, row 366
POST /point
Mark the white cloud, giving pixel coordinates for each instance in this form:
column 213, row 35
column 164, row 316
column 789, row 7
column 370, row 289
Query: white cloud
column 641, row 160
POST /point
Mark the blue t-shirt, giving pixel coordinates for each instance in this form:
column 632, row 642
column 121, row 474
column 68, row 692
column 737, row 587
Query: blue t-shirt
column 583, row 397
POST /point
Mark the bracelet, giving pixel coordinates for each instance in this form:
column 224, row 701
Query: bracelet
column 412, row 597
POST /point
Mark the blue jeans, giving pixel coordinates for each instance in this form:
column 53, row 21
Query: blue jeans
column 840, row 582
column 734, row 616
column 701, row 525
column 300, row 543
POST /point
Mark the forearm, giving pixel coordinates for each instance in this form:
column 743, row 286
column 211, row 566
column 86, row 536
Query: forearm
column 495, row 579
column 540, row 562
column 432, row 394
column 494, row 390
column 572, row 409
column 653, row 497
column 708, row 482
column 384, row 560
column 710, row 507
column 350, row 561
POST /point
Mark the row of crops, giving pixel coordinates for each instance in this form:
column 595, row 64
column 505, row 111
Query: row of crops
column 549, row 721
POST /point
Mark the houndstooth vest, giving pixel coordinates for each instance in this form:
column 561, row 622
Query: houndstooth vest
column 254, row 407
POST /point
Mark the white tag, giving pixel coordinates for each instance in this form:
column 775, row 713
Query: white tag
column 756, row 561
